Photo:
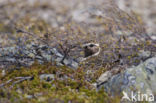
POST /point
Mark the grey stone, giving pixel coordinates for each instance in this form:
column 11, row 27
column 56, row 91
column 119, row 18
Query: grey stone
column 104, row 77
column 47, row 77
column 27, row 54
column 127, row 33
column 140, row 78
column 144, row 54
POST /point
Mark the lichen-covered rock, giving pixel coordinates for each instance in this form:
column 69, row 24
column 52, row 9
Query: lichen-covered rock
column 140, row 78
column 26, row 56
column 47, row 77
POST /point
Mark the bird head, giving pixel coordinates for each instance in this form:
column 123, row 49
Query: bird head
column 91, row 49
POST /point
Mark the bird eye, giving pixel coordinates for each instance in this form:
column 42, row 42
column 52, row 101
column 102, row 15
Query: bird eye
column 91, row 45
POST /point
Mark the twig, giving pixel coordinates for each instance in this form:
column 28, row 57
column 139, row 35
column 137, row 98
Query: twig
column 20, row 79
column 66, row 50
column 7, row 82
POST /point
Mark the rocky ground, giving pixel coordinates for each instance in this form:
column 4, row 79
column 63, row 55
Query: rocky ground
column 43, row 58
column 145, row 8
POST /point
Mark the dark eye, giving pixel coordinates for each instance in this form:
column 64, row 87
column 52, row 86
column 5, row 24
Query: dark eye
column 91, row 45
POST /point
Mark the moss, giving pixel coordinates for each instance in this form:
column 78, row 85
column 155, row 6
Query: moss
column 74, row 88
column 46, row 85
column 5, row 28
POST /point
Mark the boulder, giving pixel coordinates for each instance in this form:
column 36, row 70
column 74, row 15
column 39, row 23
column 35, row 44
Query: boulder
column 141, row 78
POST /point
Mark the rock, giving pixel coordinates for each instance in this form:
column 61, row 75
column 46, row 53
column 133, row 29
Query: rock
column 140, row 78
column 144, row 54
column 153, row 37
column 104, row 77
column 28, row 96
column 125, row 33
column 47, row 77
column 26, row 55
column 3, row 73
column 41, row 99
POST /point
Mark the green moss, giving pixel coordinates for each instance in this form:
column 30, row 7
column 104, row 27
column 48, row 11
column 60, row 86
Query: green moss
column 74, row 88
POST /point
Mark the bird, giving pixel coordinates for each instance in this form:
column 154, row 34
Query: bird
column 91, row 50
